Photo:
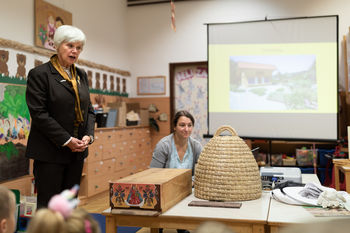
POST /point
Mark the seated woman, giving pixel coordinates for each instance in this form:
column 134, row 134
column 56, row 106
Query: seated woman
column 179, row 149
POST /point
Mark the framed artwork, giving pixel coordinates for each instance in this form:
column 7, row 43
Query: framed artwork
column 47, row 18
column 151, row 85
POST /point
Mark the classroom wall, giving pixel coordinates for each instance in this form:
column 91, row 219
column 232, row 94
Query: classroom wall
column 140, row 39
column 154, row 44
column 102, row 21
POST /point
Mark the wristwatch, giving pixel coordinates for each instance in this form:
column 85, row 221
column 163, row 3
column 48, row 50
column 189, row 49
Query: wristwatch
column 91, row 139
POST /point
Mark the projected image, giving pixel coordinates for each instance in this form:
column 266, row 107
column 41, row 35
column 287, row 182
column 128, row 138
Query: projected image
column 274, row 82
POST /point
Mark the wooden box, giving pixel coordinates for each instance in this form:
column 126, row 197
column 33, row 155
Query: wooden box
column 155, row 189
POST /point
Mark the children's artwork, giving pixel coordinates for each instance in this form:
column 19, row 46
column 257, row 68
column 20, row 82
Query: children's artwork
column 191, row 95
column 47, row 19
column 143, row 196
column 14, row 131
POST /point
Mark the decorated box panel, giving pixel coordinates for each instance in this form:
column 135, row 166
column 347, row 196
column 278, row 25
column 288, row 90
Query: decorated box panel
column 141, row 196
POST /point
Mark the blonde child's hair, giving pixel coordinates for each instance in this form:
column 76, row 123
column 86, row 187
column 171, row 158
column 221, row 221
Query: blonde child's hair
column 46, row 221
column 8, row 201
column 81, row 221
column 50, row 221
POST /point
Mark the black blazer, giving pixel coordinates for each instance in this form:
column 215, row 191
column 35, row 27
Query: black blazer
column 51, row 101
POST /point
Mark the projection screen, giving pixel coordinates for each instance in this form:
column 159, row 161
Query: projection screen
column 275, row 79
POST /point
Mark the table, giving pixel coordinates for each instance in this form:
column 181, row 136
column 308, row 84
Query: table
column 254, row 216
column 342, row 165
column 281, row 214
column 251, row 217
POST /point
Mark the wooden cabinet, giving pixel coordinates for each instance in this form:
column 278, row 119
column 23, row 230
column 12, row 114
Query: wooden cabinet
column 115, row 153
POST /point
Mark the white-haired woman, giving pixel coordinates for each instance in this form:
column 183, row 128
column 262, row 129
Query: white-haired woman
column 63, row 119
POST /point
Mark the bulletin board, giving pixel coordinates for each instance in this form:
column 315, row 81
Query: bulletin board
column 151, row 85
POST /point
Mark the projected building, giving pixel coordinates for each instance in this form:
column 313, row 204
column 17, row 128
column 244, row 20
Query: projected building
column 246, row 74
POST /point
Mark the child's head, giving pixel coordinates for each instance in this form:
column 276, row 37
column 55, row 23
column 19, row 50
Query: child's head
column 46, row 221
column 61, row 217
column 7, row 210
column 50, row 221
column 81, row 221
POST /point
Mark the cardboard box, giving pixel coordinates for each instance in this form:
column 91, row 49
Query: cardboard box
column 155, row 189
column 144, row 117
column 133, row 107
column 289, row 162
column 276, row 159
column 122, row 115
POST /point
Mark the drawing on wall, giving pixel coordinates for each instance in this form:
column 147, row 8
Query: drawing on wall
column 4, row 57
column 21, row 68
column 37, row 63
column 47, row 19
column 191, row 95
column 14, row 131
column 15, row 78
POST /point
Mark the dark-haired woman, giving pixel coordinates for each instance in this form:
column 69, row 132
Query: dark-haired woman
column 179, row 149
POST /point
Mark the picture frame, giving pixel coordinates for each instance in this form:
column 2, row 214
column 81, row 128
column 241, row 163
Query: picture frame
column 151, row 85
column 29, row 209
column 47, row 19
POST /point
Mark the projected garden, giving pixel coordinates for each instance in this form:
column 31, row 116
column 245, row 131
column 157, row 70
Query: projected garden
column 287, row 82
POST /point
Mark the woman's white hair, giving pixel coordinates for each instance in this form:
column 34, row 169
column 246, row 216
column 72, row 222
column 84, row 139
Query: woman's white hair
column 68, row 33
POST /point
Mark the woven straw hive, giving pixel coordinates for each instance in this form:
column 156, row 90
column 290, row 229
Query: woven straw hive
column 227, row 170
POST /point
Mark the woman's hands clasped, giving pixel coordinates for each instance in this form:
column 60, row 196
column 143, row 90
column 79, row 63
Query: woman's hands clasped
column 77, row 145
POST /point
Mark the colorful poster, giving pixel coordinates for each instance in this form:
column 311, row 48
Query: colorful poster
column 14, row 131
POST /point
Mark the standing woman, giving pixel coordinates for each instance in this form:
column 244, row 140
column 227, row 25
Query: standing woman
column 179, row 149
column 62, row 116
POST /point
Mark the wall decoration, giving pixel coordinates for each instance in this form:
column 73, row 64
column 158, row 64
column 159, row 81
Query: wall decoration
column 47, row 19
column 104, row 82
column 14, row 131
column 151, row 85
column 4, row 57
column 89, row 74
column 21, row 62
column 190, row 84
column 118, row 84
column 37, row 63
column 97, row 81
column 111, row 79
column 124, row 85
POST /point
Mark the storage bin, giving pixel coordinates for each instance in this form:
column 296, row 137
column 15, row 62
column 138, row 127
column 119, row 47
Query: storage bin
column 305, row 157
column 260, row 158
column 289, row 162
column 276, row 159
